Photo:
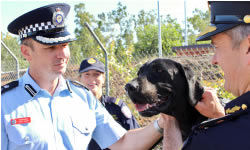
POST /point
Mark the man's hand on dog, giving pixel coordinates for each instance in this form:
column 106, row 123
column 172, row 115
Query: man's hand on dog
column 209, row 105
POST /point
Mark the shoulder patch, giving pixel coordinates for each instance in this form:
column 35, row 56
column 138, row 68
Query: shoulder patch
column 126, row 112
column 78, row 84
column 124, row 108
column 9, row 86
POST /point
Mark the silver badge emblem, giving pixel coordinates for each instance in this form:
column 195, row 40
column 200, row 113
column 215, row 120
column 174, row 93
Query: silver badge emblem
column 58, row 18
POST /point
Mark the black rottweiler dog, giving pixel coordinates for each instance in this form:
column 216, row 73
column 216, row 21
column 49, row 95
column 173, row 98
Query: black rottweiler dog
column 166, row 86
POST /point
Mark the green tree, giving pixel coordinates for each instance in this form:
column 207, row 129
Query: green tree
column 85, row 45
column 145, row 18
column 121, row 18
column 147, row 36
column 7, row 61
column 197, row 24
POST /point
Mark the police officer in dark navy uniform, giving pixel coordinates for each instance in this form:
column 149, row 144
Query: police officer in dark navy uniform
column 230, row 35
column 92, row 76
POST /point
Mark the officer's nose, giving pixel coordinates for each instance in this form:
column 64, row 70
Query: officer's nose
column 63, row 51
column 214, row 60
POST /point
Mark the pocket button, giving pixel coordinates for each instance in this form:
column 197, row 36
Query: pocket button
column 26, row 138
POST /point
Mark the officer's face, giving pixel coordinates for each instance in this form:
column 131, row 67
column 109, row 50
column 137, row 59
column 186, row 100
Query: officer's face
column 46, row 60
column 93, row 80
column 232, row 61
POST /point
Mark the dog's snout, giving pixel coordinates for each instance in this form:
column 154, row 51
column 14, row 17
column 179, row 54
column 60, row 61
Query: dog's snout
column 132, row 86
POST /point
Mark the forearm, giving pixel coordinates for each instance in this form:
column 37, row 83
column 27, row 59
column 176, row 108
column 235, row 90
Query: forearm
column 172, row 135
column 139, row 139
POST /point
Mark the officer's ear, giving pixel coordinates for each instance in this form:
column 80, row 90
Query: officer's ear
column 27, row 46
column 248, row 50
column 248, row 39
column 26, row 52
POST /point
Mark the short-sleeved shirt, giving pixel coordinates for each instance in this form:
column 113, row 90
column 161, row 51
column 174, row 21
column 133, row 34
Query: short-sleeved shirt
column 120, row 112
column 33, row 119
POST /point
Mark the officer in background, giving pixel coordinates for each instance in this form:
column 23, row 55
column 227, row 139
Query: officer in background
column 42, row 110
column 92, row 76
column 230, row 35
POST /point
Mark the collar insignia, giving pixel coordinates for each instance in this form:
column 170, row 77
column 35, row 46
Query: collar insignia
column 30, row 90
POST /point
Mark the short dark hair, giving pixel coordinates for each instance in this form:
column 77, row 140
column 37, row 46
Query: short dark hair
column 28, row 42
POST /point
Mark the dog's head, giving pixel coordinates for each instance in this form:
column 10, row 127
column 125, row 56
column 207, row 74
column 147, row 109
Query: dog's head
column 163, row 85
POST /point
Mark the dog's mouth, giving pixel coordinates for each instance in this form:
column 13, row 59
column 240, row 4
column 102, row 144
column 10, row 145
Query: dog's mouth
column 151, row 109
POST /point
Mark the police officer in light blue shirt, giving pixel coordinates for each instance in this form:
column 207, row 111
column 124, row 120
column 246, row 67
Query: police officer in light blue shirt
column 42, row 110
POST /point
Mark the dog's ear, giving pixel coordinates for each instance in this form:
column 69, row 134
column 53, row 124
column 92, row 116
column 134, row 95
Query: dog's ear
column 195, row 89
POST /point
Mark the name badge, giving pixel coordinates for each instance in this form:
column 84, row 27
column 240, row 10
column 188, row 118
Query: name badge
column 20, row 120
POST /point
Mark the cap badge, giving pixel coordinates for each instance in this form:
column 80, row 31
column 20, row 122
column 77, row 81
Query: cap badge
column 58, row 18
column 246, row 18
column 91, row 61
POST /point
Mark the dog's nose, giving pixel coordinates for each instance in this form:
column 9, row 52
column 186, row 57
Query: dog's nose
column 132, row 86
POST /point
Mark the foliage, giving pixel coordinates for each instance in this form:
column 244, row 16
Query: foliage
column 85, row 45
column 219, row 87
column 6, row 59
column 196, row 25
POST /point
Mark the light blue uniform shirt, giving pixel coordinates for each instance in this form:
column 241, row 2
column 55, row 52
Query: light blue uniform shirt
column 66, row 120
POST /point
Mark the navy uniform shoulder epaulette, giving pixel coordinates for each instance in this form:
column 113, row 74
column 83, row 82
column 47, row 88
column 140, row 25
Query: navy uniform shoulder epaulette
column 9, row 86
column 116, row 101
column 213, row 122
column 78, row 84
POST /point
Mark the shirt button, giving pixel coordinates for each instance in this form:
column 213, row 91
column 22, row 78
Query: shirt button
column 26, row 138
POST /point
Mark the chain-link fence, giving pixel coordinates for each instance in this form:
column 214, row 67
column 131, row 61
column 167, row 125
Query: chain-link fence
column 123, row 69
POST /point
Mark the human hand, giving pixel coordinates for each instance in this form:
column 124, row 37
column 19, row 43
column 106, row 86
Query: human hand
column 209, row 105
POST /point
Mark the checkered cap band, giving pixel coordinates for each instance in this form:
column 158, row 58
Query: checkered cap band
column 27, row 30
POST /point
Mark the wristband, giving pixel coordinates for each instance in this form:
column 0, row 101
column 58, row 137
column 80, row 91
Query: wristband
column 157, row 127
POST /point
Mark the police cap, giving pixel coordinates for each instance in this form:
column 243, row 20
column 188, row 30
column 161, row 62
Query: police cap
column 224, row 16
column 91, row 64
column 46, row 25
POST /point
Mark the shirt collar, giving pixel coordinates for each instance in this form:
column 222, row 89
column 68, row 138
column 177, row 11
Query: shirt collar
column 61, row 86
column 30, row 85
column 33, row 88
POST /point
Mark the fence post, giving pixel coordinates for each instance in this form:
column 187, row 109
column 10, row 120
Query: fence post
column 106, row 56
column 13, row 55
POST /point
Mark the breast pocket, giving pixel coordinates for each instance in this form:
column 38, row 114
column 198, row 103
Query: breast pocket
column 84, row 123
column 21, row 134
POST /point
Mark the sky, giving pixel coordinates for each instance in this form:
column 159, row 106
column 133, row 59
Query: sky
column 11, row 9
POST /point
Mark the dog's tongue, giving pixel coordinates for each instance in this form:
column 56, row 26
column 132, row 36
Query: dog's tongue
column 140, row 107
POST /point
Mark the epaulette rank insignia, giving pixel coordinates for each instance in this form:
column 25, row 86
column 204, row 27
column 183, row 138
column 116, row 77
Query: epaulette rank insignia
column 236, row 108
column 9, row 86
column 78, row 84
column 230, row 116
